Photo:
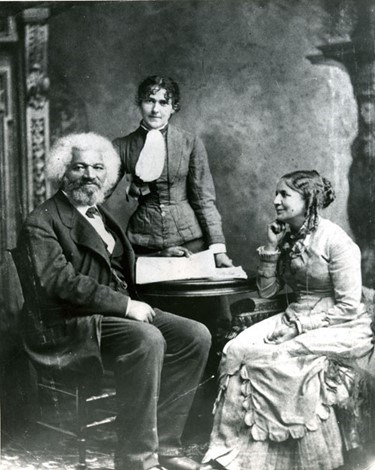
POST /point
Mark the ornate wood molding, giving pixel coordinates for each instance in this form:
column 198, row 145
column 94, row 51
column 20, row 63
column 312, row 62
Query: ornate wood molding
column 358, row 57
column 37, row 102
column 7, row 216
column 8, row 29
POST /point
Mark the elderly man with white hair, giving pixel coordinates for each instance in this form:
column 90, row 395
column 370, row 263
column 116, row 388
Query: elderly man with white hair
column 81, row 308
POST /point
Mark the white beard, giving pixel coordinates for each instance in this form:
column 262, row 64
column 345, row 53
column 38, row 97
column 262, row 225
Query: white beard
column 82, row 194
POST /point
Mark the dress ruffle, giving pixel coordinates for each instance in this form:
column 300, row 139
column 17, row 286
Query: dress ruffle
column 336, row 383
column 263, row 428
column 315, row 446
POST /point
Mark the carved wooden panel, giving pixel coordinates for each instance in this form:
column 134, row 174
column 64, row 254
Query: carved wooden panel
column 7, row 170
column 37, row 110
column 8, row 30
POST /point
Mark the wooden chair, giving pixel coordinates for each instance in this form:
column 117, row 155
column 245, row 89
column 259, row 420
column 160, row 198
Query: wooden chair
column 69, row 406
column 73, row 410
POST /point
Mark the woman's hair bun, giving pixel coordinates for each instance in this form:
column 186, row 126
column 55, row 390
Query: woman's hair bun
column 328, row 193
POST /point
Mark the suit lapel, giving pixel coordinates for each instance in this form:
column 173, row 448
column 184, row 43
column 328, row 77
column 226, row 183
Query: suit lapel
column 129, row 253
column 128, row 250
column 84, row 234
column 81, row 231
column 175, row 152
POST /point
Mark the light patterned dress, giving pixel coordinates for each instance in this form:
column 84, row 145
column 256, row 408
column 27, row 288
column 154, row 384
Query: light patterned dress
column 274, row 408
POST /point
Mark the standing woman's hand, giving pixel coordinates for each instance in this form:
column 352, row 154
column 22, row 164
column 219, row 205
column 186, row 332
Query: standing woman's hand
column 175, row 252
column 275, row 233
column 222, row 260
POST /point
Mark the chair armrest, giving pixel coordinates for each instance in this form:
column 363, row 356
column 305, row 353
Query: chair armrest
column 248, row 311
column 254, row 309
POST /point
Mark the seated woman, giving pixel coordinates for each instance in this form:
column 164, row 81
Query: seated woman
column 274, row 408
column 171, row 179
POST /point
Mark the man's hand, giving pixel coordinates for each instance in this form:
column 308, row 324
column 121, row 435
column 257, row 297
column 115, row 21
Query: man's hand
column 175, row 251
column 140, row 311
column 223, row 261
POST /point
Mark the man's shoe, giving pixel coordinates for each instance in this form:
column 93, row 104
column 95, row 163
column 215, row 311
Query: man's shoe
column 155, row 467
column 210, row 466
column 178, row 463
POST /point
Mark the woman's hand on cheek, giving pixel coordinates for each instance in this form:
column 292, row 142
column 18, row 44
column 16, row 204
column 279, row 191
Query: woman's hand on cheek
column 275, row 233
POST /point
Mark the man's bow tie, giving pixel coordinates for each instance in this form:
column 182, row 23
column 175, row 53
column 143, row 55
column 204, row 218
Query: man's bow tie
column 92, row 211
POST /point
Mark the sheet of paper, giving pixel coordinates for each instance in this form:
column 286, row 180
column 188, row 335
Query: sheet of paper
column 236, row 272
column 197, row 266
column 157, row 269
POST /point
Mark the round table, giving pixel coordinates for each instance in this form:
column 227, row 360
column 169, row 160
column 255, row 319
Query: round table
column 205, row 300
column 198, row 287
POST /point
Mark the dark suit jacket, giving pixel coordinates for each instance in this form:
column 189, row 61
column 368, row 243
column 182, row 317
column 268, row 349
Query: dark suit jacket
column 181, row 205
column 65, row 274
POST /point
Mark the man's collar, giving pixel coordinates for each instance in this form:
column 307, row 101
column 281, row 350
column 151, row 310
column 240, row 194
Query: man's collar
column 80, row 208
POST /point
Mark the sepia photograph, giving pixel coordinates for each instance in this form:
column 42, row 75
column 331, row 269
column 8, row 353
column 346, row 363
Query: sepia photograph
column 187, row 235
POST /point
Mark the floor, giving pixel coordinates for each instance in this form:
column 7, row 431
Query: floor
column 40, row 449
column 37, row 448
column 44, row 449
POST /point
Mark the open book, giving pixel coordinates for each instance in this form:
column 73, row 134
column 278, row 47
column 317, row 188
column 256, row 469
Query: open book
column 198, row 266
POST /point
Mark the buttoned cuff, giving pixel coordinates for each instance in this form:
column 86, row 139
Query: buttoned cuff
column 218, row 248
column 267, row 267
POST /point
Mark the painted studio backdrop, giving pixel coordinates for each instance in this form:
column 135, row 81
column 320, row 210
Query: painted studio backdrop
column 271, row 86
column 248, row 89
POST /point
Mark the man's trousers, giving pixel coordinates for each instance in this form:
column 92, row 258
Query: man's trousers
column 157, row 367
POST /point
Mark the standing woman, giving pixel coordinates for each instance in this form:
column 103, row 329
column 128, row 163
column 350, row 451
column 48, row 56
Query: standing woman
column 274, row 409
column 171, row 179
